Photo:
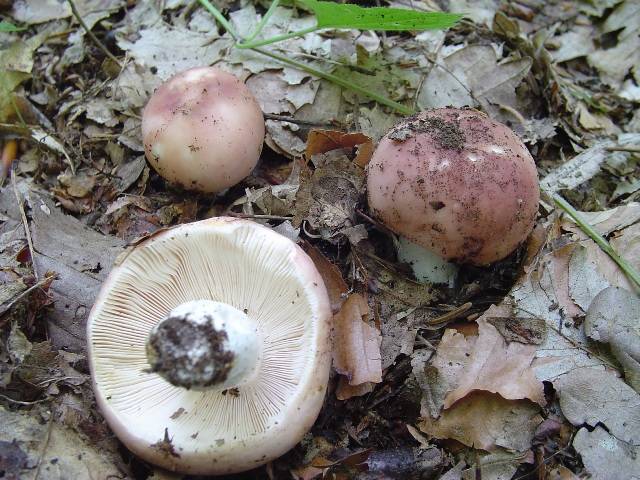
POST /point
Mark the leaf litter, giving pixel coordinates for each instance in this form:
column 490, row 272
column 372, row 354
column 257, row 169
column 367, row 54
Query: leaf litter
column 475, row 383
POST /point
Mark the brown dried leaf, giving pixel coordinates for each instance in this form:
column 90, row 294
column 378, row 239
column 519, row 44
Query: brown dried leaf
column 487, row 421
column 322, row 141
column 356, row 351
column 346, row 391
column 336, row 286
column 487, row 362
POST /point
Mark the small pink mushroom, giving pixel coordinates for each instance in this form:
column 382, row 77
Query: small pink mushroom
column 457, row 183
column 203, row 130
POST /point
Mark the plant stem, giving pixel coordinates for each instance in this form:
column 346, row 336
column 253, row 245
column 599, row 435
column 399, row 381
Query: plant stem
column 263, row 22
column 277, row 38
column 104, row 49
column 218, row 16
column 625, row 266
column 338, row 81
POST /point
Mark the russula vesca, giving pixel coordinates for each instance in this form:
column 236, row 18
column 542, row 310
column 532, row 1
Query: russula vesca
column 203, row 130
column 455, row 182
column 209, row 346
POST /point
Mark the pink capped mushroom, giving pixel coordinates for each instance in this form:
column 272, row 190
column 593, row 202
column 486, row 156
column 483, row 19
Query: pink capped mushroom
column 457, row 183
column 209, row 347
column 203, row 130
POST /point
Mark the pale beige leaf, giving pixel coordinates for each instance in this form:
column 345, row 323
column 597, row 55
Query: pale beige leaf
column 356, row 353
column 487, row 421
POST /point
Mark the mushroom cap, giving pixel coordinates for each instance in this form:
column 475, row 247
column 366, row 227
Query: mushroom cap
column 203, row 130
column 216, row 431
column 456, row 182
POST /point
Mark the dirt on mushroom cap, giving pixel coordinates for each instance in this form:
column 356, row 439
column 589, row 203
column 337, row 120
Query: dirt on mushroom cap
column 457, row 183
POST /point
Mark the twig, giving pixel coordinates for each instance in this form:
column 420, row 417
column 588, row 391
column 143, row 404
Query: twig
column 285, row 118
column 20, row 402
column 45, row 445
column 22, row 295
column 257, row 216
column 25, row 223
column 452, row 315
column 95, row 39
column 625, row 266
column 623, row 149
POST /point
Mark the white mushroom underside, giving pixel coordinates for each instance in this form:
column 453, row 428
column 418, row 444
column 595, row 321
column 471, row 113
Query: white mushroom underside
column 152, row 281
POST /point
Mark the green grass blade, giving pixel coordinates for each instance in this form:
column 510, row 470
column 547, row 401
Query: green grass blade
column 334, row 15
column 10, row 27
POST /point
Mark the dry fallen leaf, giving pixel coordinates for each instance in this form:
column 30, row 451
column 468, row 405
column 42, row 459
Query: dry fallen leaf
column 486, row 421
column 356, row 351
column 590, row 396
column 486, row 362
column 322, row 141
column 613, row 318
column 336, row 286
column 49, row 446
column 607, row 457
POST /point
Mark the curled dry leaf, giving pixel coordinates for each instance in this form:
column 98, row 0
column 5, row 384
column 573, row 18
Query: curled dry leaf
column 356, row 351
column 487, row 421
column 322, row 141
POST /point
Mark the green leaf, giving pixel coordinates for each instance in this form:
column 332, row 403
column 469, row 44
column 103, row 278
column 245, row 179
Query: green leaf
column 10, row 27
column 334, row 15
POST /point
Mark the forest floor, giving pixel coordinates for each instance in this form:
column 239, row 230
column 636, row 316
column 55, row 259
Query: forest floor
column 500, row 376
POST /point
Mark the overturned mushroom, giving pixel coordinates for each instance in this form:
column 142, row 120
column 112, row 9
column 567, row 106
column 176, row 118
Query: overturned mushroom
column 203, row 130
column 456, row 183
column 209, row 347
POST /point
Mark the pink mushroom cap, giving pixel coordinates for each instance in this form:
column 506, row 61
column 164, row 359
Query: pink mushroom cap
column 203, row 130
column 457, row 183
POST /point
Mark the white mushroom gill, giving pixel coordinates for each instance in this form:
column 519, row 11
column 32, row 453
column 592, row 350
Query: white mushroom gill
column 247, row 268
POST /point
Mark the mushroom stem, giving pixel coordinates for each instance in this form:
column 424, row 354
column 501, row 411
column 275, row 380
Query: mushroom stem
column 203, row 345
column 427, row 266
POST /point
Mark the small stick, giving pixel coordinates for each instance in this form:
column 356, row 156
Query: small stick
column 263, row 217
column 25, row 223
column 623, row 149
column 22, row 295
column 452, row 315
column 284, row 118
column 76, row 14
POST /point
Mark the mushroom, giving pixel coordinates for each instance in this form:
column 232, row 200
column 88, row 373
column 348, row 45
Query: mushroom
column 457, row 183
column 209, row 347
column 203, row 130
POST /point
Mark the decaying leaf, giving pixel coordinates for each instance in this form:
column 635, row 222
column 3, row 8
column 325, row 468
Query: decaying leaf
column 591, row 396
column 81, row 270
column 356, row 353
column 621, row 60
column 486, row 421
column 487, row 362
column 473, row 76
column 327, row 200
column 606, row 457
column 612, row 318
column 49, row 445
column 585, row 165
